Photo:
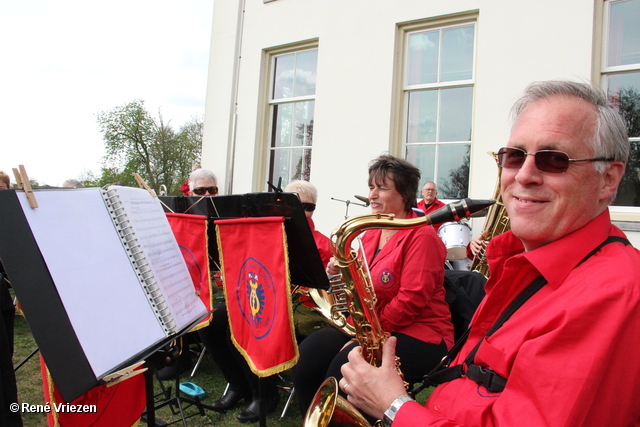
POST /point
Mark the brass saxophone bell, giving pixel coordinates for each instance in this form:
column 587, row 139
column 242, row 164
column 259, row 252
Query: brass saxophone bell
column 329, row 409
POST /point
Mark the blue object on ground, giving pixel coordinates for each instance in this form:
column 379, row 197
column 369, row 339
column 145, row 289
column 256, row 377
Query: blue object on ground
column 192, row 390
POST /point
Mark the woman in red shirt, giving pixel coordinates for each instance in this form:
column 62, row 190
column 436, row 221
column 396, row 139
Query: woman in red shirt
column 407, row 271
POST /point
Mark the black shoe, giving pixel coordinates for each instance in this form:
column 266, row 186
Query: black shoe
column 229, row 400
column 252, row 413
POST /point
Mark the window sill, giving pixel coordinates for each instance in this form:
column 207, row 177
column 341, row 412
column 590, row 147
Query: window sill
column 627, row 225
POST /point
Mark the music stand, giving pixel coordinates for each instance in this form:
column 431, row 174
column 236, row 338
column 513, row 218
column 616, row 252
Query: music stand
column 48, row 317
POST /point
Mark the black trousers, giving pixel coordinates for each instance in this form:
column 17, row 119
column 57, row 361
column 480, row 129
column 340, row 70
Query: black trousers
column 321, row 357
column 217, row 338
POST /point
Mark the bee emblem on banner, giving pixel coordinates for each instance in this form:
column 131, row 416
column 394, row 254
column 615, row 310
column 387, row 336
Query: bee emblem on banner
column 256, row 296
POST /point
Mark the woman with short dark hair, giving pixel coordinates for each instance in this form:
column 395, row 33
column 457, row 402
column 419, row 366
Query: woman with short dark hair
column 407, row 271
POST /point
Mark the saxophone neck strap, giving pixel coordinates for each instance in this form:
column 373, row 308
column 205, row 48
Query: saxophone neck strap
column 485, row 376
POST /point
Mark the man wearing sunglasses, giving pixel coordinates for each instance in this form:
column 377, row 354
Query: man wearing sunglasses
column 565, row 356
column 202, row 182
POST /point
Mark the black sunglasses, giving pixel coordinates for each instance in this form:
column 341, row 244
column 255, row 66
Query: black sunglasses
column 549, row 161
column 309, row 207
column 201, row 191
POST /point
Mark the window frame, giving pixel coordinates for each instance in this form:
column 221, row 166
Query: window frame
column 270, row 103
column 405, row 89
column 625, row 213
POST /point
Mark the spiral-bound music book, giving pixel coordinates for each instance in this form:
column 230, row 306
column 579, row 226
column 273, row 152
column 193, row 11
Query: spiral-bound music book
column 100, row 278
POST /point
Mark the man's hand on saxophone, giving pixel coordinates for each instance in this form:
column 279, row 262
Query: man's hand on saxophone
column 369, row 388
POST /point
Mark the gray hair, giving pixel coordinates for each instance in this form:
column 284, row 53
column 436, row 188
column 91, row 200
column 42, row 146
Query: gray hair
column 201, row 174
column 610, row 140
column 72, row 183
column 299, row 186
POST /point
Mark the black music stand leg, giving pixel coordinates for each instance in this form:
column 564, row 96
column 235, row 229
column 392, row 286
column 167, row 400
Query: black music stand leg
column 26, row 359
column 148, row 385
column 262, row 404
column 158, row 360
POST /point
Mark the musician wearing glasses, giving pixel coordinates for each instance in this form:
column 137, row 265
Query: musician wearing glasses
column 566, row 355
column 429, row 202
column 407, row 272
column 308, row 194
column 202, row 182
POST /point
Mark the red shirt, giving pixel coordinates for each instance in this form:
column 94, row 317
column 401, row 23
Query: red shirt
column 437, row 204
column 408, row 277
column 569, row 352
column 322, row 242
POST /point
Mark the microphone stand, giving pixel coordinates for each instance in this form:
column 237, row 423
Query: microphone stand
column 348, row 202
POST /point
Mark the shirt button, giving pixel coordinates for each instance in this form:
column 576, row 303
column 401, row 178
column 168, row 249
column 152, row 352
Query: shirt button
column 436, row 408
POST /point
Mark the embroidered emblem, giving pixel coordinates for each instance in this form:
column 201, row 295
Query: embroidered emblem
column 256, row 297
column 386, row 279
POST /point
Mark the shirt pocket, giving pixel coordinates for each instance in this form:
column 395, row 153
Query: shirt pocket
column 490, row 356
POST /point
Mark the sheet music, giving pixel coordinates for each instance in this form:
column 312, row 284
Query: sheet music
column 163, row 253
column 93, row 276
column 97, row 284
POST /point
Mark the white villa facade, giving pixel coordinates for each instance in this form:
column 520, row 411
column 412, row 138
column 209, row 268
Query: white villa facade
column 316, row 89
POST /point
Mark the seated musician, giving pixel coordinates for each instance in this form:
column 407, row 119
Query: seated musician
column 565, row 355
column 308, row 195
column 243, row 383
column 202, row 182
column 407, row 273
column 429, row 202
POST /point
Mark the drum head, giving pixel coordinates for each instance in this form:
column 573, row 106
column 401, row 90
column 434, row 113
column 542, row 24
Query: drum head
column 456, row 236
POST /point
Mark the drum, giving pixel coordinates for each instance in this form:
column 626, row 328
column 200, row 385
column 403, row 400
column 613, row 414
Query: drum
column 456, row 236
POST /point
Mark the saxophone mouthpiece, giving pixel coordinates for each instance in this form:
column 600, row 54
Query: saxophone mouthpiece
column 458, row 210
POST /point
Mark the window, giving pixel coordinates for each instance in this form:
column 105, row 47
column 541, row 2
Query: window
column 292, row 103
column 621, row 80
column 438, row 96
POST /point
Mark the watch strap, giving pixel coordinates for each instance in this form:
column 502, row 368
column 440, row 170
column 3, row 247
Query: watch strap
column 391, row 412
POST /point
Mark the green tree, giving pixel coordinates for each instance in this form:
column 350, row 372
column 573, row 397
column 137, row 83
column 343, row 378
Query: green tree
column 136, row 142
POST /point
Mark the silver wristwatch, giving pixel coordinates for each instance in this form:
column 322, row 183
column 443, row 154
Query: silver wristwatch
column 390, row 413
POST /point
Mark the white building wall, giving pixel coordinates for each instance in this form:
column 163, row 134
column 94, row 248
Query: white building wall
column 356, row 93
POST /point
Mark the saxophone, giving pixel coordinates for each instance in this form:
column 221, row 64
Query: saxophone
column 361, row 299
column 497, row 222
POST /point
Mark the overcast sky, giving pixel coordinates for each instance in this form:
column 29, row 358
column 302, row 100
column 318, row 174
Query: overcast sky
column 61, row 62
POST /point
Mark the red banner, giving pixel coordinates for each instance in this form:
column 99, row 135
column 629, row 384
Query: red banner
column 255, row 266
column 119, row 405
column 191, row 234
